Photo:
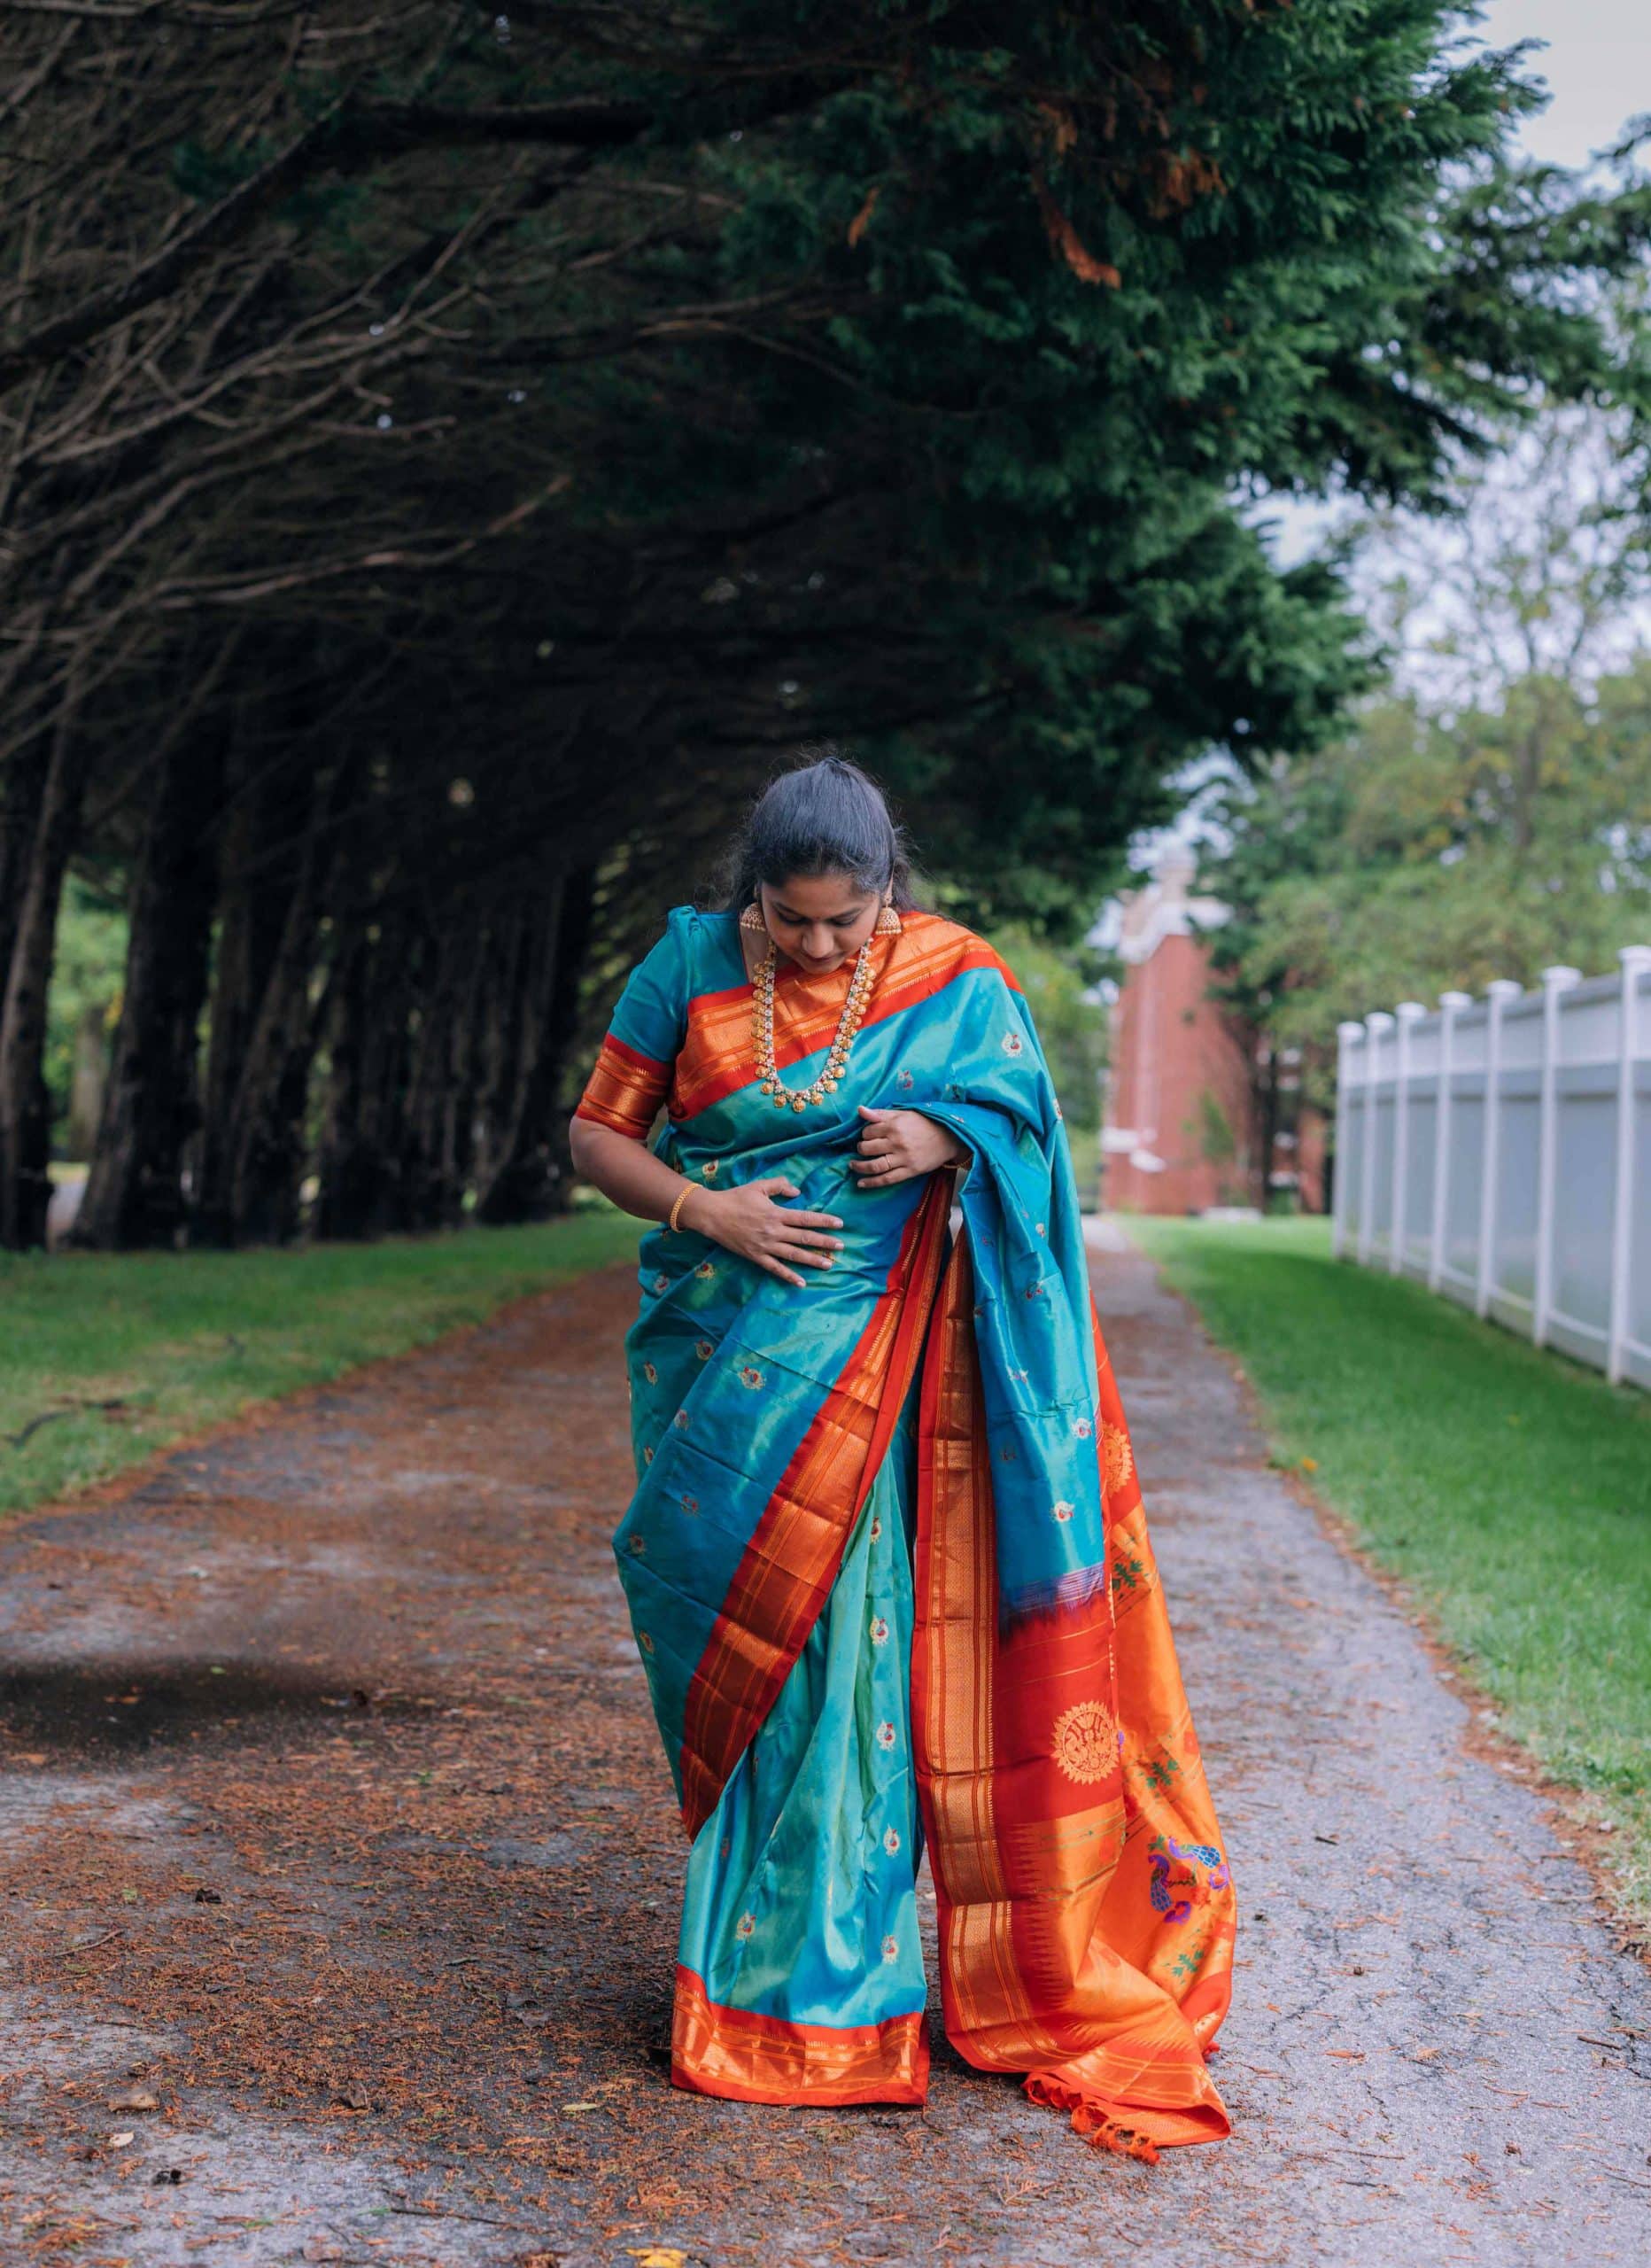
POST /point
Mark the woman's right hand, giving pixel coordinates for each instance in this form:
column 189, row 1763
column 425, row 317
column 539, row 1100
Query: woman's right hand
column 747, row 1221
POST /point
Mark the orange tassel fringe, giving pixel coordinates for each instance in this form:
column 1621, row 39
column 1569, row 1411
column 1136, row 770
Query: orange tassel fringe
column 1097, row 2126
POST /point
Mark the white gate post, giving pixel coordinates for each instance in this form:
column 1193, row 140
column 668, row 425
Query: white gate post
column 1408, row 1011
column 1555, row 981
column 1499, row 992
column 1346, row 1035
column 1375, row 1025
column 1635, row 961
column 1451, row 1006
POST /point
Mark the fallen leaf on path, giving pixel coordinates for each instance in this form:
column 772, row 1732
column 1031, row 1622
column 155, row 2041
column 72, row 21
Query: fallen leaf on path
column 119, row 2142
column 581, row 2106
column 1347, row 2055
column 657, row 2256
column 134, row 2099
column 1422, row 2055
column 352, row 2095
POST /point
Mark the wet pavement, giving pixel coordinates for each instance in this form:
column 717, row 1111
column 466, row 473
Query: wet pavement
column 341, row 1874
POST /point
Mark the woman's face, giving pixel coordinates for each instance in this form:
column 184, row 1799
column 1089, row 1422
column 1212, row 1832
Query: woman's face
column 819, row 921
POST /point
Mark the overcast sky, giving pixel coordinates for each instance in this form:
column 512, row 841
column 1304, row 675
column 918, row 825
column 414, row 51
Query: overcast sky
column 1596, row 62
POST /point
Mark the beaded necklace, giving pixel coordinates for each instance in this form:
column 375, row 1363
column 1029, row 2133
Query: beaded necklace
column 847, row 1024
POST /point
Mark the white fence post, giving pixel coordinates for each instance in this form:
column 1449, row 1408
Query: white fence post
column 1345, row 1034
column 1408, row 1012
column 1451, row 1006
column 1375, row 1025
column 1555, row 981
column 1499, row 992
column 1539, row 1218
column 1635, row 961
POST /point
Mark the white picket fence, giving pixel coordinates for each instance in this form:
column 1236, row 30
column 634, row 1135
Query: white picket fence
column 1500, row 1151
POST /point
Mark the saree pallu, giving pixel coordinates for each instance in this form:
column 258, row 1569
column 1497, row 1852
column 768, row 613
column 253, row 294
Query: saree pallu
column 889, row 1575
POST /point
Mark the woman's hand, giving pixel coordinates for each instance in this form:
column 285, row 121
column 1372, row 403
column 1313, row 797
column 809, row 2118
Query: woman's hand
column 747, row 1219
column 899, row 1144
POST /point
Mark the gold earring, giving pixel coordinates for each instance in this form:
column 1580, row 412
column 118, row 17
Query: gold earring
column 752, row 918
column 888, row 921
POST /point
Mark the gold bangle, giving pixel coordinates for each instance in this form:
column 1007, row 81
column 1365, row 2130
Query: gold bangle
column 682, row 1195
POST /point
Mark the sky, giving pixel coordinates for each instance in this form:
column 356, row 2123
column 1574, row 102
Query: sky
column 1597, row 64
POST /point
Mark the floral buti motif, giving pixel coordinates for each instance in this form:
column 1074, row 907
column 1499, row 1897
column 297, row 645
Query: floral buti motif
column 884, row 1735
column 745, row 1926
column 703, row 1348
column 705, row 1271
column 1117, row 1456
column 1082, row 1428
column 680, row 1421
column 879, row 1630
column 891, row 1948
column 1086, row 1742
column 749, row 1375
column 891, row 1840
column 1014, row 1045
column 690, row 1505
column 644, row 1641
column 904, row 1081
column 650, row 1373
column 711, row 1167
column 876, row 1527
column 662, row 1282
column 1062, row 1510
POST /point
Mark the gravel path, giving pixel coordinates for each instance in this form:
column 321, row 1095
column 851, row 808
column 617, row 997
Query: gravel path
column 332, row 1823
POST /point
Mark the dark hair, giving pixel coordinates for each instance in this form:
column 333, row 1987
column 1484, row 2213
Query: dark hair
column 824, row 817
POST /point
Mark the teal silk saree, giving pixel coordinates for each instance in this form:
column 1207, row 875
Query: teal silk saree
column 889, row 1575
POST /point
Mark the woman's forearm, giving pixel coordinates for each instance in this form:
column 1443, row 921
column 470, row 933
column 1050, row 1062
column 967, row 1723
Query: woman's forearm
column 629, row 1174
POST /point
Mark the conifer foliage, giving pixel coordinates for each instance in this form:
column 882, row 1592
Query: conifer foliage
column 447, row 457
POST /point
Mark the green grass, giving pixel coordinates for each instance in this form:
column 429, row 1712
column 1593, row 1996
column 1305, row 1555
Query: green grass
column 183, row 1340
column 1510, row 1488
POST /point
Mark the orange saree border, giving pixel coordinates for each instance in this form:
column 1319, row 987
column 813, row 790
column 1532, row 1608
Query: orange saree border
column 722, row 2051
column 625, row 1090
column 1044, row 1865
column 786, row 1570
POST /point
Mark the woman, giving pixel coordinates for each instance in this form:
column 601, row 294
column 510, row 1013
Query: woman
column 887, row 1562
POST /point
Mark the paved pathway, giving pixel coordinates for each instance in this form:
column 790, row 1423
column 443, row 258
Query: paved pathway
column 332, row 1823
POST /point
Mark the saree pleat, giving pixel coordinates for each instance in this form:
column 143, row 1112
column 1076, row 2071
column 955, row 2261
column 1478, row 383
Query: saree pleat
column 891, row 1581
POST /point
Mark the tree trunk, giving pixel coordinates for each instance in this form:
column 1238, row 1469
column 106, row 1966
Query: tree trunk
column 264, row 1031
column 533, row 1178
column 135, row 1192
column 368, row 1052
column 441, row 1111
column 25, row 1107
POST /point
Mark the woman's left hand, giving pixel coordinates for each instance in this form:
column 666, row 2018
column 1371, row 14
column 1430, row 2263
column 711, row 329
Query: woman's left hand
column 899, row 1144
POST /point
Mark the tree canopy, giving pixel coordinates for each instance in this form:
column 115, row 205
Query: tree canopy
column 446, row 458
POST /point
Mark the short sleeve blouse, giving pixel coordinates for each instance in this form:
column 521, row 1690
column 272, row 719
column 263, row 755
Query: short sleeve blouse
column 649, row 1023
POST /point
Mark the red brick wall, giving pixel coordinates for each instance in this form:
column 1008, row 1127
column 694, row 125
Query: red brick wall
column 1179, row 1068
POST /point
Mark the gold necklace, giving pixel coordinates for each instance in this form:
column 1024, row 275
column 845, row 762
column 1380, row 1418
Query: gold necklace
column 847, row 1024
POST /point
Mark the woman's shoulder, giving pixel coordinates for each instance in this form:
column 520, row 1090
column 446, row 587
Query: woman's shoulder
column 949, row 949
column 704, row 945
column 688, row 921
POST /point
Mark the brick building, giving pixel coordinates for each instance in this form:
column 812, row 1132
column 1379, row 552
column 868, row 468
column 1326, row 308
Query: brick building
column 1183, row 1128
